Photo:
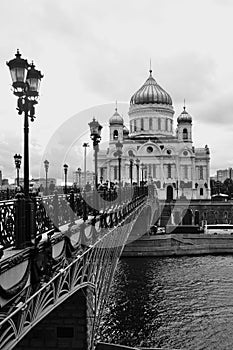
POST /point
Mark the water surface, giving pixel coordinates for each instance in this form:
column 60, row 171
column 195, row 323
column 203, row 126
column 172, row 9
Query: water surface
column 183, row 303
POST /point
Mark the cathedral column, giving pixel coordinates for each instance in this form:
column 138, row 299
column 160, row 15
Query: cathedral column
column 193, row 176
column 162, row 172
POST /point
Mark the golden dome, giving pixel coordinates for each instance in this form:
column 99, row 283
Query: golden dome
column 151, row 92
column 116, row 119
column 184, row 117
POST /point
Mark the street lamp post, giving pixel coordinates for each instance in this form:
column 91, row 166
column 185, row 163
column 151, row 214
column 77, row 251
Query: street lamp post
column 46, row 166
column 65, row 166
column 137, row 166
column 79, row 177
column 142, row 168
column 118, row 153
column 177, row 189
column 131, row 170
column 85, row 145
column 95, row 129
column 25, row 82
column 17, row 158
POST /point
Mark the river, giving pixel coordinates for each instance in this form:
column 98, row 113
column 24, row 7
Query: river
column 181, row 303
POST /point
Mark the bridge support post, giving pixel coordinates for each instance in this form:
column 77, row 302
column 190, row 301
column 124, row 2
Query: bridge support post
column 68, row 326
column 56, row 211
column 22, row 238
column 72, row 208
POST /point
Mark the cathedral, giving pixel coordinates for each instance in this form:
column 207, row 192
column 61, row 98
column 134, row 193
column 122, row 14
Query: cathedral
column 152, row 152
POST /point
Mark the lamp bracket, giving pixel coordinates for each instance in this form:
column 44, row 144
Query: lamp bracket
column 27, row 106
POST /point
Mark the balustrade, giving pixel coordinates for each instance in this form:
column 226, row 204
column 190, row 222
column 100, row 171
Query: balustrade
column 50, row 212
column 7, row 223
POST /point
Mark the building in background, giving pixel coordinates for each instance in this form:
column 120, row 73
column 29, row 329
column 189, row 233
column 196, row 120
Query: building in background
column 21, row 181
column 5, row 182
column 168, row 159
column 41, row 183
column 89, row 177
column 222, row 175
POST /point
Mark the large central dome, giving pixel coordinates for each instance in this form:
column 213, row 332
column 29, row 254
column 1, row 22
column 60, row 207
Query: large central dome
column 151, row 92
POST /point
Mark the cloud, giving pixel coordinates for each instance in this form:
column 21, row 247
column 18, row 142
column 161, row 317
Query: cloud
column 117, row 76
column 186, row 75
column 11, row 144
column 217, row 111
column 65, row 145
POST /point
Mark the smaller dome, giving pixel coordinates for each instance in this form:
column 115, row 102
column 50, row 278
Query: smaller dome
column 125, row 130
column 116, row 118
column 184, row 117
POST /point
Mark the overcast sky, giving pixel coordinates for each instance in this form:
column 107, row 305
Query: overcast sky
column 95, row 52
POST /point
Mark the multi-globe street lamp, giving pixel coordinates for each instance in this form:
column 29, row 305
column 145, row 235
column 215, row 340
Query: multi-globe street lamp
column 46, row 167
column 95, row 130
column 17, row 158
column 65, row 167
column 25, row 82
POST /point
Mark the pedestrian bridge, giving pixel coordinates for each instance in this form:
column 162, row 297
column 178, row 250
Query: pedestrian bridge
column 54, row 280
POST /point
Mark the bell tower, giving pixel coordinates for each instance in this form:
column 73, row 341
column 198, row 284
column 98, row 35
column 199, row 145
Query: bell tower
column 116, row 125
column 184, row 127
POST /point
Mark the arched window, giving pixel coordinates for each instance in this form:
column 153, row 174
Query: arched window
column 131, row 126
column 149, row 169
column 185, row 134
column 166, row 124
column 115, row 134
column 201, row 172
column 186, row 171
column 201, row 191
column 135, row 125
column 196, row 217
column 154, row 171
column 169, row 171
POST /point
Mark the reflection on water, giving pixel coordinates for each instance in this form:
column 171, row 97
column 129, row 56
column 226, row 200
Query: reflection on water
column 184, row 303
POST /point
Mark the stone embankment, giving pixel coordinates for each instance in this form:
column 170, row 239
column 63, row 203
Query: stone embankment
column 105, row 346
column 179, row 244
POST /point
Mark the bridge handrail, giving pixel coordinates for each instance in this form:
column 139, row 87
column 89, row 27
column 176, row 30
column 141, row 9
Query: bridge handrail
column 53, row 211
column 7, row 223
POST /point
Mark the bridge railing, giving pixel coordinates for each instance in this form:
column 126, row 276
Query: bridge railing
column 47, row 213
column 7, row 223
